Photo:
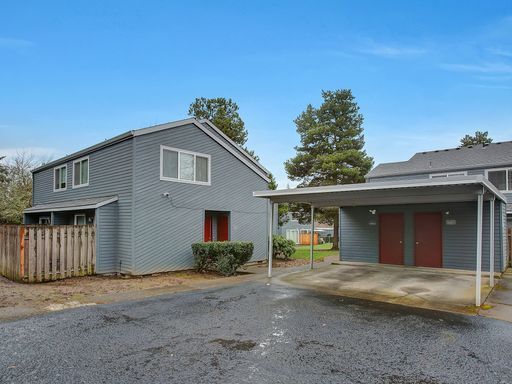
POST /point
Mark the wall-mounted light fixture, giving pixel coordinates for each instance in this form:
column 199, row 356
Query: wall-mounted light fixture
column 166, row 194
column 372, row 211
column 447, row 213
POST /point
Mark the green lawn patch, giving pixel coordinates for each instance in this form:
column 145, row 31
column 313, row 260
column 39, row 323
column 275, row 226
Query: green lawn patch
column 320, row 251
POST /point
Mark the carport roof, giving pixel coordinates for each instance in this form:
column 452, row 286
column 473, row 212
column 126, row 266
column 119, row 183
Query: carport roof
column 72, row 205
column 452, row 189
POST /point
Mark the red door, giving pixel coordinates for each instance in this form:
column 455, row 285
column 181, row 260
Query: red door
column 391, row 238
column 428, row 239
column 207, row 228
column 222, row 228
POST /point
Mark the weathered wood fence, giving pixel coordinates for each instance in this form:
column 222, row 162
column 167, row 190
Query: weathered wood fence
column 36, row 253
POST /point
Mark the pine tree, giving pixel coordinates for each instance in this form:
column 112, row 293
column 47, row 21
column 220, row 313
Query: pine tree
column 331, row 151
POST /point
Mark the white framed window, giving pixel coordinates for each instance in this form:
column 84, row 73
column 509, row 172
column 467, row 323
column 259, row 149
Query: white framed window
column 184, row 166
column 80, row 219
column 81, row 172
column 449, row 174
column 500, row 177
column 44, row 220
column 60, row 178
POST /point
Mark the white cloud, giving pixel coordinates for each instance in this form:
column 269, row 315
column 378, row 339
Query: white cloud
column 480, row 68
column 14, row 43
column 389, row 50
column 500, row 51
column 39, row 153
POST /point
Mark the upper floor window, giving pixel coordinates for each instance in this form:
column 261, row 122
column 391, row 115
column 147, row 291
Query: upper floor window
column 449, row 174
column 501, row 178
column 81, row 172
column 184, row 166
column 60, row 177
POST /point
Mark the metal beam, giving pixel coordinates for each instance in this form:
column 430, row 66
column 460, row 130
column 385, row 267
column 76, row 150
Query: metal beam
column 478, row 288
column 270, row 219
column 491, row 241
column 312, row 237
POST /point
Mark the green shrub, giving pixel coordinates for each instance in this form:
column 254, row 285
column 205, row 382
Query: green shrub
column 282, row 247
column 224, row 257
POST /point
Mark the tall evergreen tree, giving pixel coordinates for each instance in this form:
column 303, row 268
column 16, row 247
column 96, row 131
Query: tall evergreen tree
column 478, row 138
column 331, row 151
column 223, row 113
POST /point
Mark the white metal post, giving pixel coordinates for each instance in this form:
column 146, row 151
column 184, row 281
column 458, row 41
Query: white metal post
column 491, row 241
column 270, row 237
column 312, row 237
column 478, row 288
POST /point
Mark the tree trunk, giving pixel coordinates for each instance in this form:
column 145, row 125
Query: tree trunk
column 335, row 237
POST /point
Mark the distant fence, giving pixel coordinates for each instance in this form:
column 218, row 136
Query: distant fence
column 509, row 241
column 36, row 253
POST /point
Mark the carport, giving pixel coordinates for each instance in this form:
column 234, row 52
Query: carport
column 374, row 196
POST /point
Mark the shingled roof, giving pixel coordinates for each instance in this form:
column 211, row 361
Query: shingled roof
column 453, row 159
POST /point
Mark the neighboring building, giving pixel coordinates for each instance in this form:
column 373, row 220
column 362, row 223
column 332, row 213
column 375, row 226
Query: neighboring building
column 448, row 228
column 300, row 233
column 494, row 161
column 153, row 192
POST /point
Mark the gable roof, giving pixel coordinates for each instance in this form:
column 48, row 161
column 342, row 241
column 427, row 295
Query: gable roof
column 492, row 155
column 217, row 135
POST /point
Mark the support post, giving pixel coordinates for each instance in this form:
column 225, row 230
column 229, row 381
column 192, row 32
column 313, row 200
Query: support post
column 478, row 288
column 491, row 241
column 312, row 238
column 270, row 240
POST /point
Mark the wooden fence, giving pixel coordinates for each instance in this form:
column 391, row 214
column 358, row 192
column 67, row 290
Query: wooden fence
column 36, row 253
column 509, row 241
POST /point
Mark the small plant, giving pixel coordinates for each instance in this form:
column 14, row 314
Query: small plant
column 282, row 248
column 224, row 257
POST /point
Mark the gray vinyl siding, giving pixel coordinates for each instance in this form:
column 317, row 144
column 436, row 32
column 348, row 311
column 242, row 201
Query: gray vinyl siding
column 359, row 229
column 107, row 260
column 110, row 174
column 164, row 228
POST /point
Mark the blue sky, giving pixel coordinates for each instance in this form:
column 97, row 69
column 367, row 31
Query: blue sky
column 423, row 72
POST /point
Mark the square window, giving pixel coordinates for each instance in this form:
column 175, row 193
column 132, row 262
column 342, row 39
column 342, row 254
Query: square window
column 498, row 178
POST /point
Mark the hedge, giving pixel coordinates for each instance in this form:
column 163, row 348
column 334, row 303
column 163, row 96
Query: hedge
column 224, row 257
column 282, row 248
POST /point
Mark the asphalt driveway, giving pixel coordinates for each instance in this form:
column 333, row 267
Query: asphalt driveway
column 254, row 333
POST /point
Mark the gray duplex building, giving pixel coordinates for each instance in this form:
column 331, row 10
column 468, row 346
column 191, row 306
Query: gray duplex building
column 152, row 192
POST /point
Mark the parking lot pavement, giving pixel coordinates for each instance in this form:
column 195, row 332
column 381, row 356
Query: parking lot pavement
column 255, row 333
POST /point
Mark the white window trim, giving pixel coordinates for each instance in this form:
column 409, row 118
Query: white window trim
column 45, row 217
column 506, row 169
column 54, row 169
column 164, row 178
column 88, row 172
column 448, row 174
column 80, row 215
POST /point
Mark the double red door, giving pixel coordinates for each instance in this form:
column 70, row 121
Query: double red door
column 391, row 238
column 216, row 226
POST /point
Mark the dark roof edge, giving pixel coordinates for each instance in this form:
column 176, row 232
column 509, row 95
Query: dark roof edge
column 106, row 143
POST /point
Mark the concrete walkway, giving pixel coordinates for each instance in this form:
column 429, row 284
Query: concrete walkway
column 499, row 303
column 438, row 289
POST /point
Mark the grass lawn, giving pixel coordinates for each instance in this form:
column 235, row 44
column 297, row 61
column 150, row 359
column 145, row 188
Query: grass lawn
column 320, row 251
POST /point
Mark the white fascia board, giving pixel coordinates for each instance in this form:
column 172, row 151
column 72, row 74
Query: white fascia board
column 461, row 180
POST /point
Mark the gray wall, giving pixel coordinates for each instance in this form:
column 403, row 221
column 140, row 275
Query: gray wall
column 165, row 228
column 107, row 239
column 110, row 174
column 360, row 241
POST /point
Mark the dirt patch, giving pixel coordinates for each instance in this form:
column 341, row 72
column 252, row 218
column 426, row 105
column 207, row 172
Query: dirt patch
column 25, row 299
column 235, row 345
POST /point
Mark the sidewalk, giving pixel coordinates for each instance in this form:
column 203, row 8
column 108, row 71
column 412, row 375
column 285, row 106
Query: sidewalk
column 499, row 303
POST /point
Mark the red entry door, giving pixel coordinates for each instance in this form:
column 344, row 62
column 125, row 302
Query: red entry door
column 222, row 228
column 391, row 238
column 428, row 240
column 207, row 228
